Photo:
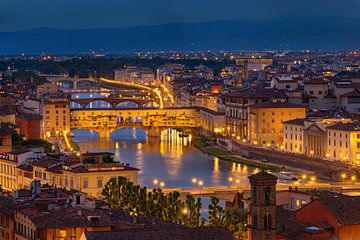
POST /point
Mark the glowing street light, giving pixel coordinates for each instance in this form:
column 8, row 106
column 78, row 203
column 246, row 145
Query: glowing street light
column 162, row 184
column 194, row 180
column 155, row 181
column 353, row 178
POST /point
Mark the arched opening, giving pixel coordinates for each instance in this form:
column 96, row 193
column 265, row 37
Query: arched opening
column 132, row 135
column 99, row 104
column 127, row 104
column 75, row 105
column 120, row 120
column 151, row 105
column 130, row 120
column 84, row 134
column 138, row 119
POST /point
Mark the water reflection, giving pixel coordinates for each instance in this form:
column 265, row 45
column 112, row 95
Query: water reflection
column 170, row 157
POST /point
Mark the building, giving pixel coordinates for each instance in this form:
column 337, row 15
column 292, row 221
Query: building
column 294, row 135
column 6, row 138
column 45, row 212
column 343, row 142
column 9, row 161
column 56, row 117
column 46, row 89
column 135, row 74
column 72, row 174
column 246, row 65
column 336, row 213
column 262, row 213
column 29, row 125
column 266, row 121
column 211, row 121
column 237, row 103
column 333, row 138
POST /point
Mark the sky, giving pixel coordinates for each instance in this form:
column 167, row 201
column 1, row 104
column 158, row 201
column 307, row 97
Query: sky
column 79, row 14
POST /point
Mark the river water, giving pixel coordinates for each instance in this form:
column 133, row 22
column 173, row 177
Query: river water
column 169, row 158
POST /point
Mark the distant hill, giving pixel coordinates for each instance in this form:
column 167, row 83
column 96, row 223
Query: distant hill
column 287, row 32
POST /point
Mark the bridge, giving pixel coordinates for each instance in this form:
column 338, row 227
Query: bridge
column 105, row 121
column 114, row 102
column 228, row 192
column 75, row 81
column 154, row 120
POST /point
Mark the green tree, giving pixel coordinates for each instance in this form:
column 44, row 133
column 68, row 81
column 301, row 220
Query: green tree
column 216, row 213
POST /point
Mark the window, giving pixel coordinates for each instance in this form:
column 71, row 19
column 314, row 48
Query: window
column 85, row 183
column 78, row 199
column 358, row 144
column 267, row 196
column 99, row 183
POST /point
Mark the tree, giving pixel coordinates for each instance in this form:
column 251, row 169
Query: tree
column 216, row 213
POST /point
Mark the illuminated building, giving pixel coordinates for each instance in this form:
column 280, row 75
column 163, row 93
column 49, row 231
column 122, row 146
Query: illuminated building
column 17, row 171
column 56, row 117
column 266, row 121
column 237, row 105
column 343, row 142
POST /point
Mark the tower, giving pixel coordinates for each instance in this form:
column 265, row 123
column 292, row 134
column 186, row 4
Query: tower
column 262, row 215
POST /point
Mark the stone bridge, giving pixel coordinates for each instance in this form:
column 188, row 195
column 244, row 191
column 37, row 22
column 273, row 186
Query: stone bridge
column 115, row 101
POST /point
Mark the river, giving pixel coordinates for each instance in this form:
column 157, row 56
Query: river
column 169, row 158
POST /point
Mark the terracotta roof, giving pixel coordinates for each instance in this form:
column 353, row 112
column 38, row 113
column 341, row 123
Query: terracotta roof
column 345, row 208
column 277, row 105
column 29, row 116
column 354, row 126
column 316, row 81
column 178, row 233
column 354, row 93
column 263, row 176
column 65, row 217
column 258, row 93
column 297, row 121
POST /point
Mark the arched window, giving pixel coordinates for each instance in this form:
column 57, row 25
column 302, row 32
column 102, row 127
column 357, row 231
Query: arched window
column 267, row 196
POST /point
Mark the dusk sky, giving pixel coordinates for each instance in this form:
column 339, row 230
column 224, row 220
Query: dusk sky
column 75, row 14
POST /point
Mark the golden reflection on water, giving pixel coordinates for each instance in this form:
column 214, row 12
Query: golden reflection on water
column 171, row 148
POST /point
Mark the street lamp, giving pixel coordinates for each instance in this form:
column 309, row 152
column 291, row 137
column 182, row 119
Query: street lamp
column 353, row 178
column 200, row 185
column 194, row 180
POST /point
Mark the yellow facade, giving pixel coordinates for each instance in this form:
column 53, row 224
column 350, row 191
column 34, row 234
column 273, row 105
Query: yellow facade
column 266, row 126
column 56, row 118
column 343, row 145
column 8, row 175
column 106, row 120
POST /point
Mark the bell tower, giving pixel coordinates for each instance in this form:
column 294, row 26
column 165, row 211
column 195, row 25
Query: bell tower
column 262, row 214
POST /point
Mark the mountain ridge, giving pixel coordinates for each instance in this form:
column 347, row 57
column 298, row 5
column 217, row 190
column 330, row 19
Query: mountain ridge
column 287, row 32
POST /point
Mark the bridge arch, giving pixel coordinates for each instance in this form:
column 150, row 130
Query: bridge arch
column 75, row 105
column 99, row 104
column 129, row 134
column 84, row 134
column 127, row 104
